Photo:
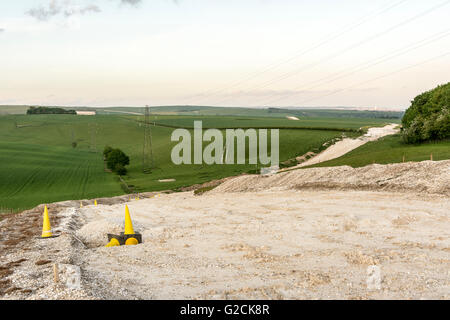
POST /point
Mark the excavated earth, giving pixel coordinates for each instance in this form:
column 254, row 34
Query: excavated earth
column 304, row 234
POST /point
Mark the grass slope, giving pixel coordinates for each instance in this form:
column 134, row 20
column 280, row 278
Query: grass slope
column 391, row 149
column 39, row 164
column 31, row 174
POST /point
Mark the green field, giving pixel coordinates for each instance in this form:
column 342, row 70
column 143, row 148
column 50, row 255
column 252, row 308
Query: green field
column 256, row 112
column 39, row 164
column 391, row 149
column 32, row 174
column 302, row 113
column 340, row 124
column 5, row 110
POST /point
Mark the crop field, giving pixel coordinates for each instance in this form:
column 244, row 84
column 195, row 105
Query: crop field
column 340, row 124
column 391, row 149
column 31, row 174
column 392, row 116
column 39, row 163
column 5, row 110
column 255, row 112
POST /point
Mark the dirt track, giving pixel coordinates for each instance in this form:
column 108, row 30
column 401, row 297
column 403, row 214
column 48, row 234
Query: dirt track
column 298, row 240
column 346, row 145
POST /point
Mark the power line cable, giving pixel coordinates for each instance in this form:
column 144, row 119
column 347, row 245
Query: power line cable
column 358, row 44
column 370, row 64
column 379, row 77
column 300, row 53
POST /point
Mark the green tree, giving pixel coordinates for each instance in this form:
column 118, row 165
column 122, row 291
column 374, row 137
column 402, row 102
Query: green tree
column 47, row 110
column 120, row 169
column 106, row 151
column 428, row 117
column 116, row 160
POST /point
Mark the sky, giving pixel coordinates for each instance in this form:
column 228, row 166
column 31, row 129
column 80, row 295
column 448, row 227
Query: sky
column 356, row 53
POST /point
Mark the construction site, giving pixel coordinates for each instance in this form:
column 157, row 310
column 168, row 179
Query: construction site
column 304, row 234
column 215, row 151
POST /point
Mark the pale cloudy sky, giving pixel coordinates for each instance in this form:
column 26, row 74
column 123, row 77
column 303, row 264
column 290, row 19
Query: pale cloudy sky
column 222, row 52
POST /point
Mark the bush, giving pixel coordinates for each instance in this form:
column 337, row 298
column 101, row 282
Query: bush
column 106, row 152
column 120, row 169
column 116, row 160
column 428, row 118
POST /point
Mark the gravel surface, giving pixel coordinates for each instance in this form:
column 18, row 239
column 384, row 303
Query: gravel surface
column 425, row 176
column 305, row 234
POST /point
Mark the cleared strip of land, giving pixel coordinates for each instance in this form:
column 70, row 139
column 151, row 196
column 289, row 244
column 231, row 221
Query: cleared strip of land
column 346, row 145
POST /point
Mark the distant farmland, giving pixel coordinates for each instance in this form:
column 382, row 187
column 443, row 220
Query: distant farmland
column 39, row 164
column 231, row 111
column 4, row 110
column 340, row 124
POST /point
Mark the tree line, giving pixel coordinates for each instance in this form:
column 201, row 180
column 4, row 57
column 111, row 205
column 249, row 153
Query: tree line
column 48, row 110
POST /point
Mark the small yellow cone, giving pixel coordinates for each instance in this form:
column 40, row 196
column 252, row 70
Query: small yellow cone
column 128, row 224
column 131, row 242
column 46, row 228
column 95, row 202
column 113, row 243
column 81, row 204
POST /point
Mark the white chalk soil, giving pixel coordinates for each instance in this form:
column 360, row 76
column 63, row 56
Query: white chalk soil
column 276, row 245
column 306, row 234
column 346, row 145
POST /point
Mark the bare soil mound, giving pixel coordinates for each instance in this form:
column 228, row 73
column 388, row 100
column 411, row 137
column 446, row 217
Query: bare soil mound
column 426, row 176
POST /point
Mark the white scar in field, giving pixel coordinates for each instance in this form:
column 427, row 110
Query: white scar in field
column 346, row 145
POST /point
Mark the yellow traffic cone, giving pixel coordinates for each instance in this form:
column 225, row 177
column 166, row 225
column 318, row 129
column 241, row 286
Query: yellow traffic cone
column 113, row 243
column 128, row 224
column 46, row 228
column 129, row 229
column 131, row 242
column 95, row 202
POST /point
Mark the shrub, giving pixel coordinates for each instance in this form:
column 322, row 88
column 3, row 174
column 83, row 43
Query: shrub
column 428, row 117
column 106, row 151
column 120, row 169
column 116, row 160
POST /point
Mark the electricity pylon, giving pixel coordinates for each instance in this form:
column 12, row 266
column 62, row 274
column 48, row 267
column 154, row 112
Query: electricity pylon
column 93, row 130
column 147, row 162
